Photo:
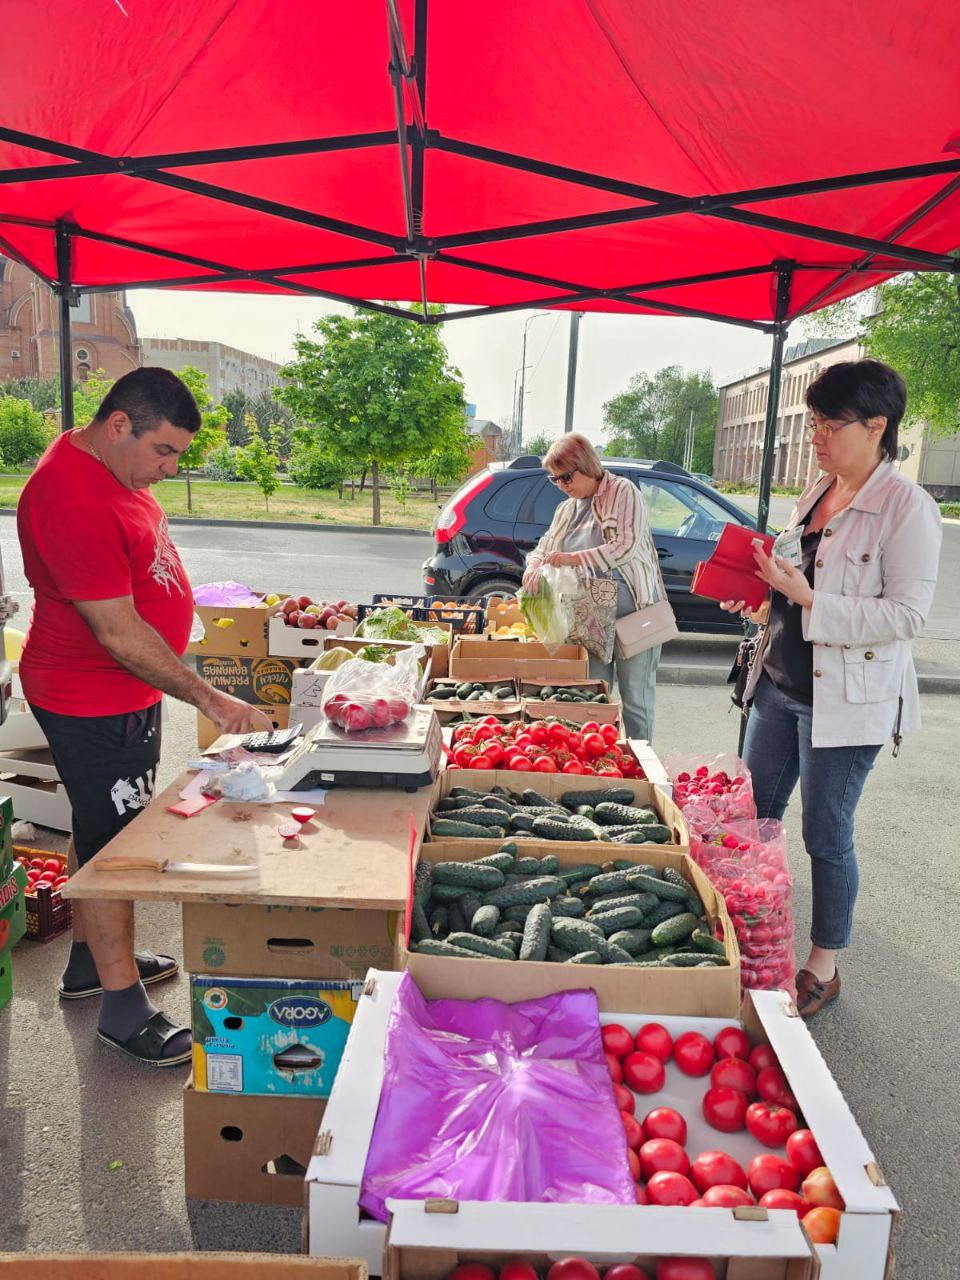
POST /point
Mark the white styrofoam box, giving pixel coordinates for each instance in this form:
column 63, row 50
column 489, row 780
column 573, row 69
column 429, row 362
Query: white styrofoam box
column 20, row 731
column 336, row 1227
column 306, row 717
column 308, row 686
column 38, row 801
column 651, row 765
column 297, row 642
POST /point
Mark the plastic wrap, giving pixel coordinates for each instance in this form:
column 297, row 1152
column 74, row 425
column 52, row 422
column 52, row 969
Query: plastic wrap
column 372, row 695
column 226, row 595
column 549, row 611
column 483, row 1100
column 722, row 783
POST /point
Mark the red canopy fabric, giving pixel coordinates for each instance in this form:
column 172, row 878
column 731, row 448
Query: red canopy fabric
column 617, row 124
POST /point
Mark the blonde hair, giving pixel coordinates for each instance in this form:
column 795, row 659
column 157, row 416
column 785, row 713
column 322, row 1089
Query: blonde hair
column 574, row 452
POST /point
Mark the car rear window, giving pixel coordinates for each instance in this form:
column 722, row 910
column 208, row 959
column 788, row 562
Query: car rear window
column 541, row 504
column 505, row 500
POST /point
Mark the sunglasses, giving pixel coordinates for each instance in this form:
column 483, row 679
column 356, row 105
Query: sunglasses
column 562, row 477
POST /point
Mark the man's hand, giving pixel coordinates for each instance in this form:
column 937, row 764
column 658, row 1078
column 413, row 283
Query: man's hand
column 230, row 715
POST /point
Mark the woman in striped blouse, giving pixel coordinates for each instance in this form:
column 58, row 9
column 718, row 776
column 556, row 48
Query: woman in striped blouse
column 602, row 529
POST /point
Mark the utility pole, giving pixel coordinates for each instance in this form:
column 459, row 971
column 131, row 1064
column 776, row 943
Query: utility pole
column 575, row 318
column 523, row 364
column 688, row 445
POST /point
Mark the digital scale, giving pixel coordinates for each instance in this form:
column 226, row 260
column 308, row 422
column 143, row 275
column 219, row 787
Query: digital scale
column 404, row 756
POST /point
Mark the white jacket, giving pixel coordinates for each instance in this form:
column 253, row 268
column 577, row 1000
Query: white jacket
column 874, row 578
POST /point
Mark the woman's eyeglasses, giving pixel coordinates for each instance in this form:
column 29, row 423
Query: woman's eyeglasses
column 828, row 426
column 562, row 477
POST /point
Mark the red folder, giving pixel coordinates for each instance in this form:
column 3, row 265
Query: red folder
column 730, row 573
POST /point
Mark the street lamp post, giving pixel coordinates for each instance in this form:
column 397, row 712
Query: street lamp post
column 537, row 315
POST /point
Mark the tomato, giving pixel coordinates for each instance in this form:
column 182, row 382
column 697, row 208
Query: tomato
column 633, row 1160
column 590, row 727
column 732, row 1042
column 54, row 865
column 624, row 1099
column 642, row 1197
column 819, row 1188
column 772, row 1087
column 664, row 1122
column 693, row 1053
column 781, row 1198
column 723, row 1196
column 625, row 1271
column 716, row 1169
column 803, row 1152
column 614, row 1067
column 543, row 764
column 633, row 1129
column 521, row 765
column 643, row 1072
column 609, row 773
column 593, row 744
column 655, row 1039
column 38, row 863
column 573, row 1269
column 671, row 1189
column 538, row 735
column 493, row 751
column 736, row 1073
column 770, row 1173
column 463, row 755
column 572, row 766
column 763, row 1056
column 822, row 1224
column 616, row 1039
column 663, row 1155
column 608, row 732
column 523, row 740
column 724, row 1108
column 686, row 1269
column 471, row 1271
column 518, row 1269
column 481, row 762
column 770, row 1124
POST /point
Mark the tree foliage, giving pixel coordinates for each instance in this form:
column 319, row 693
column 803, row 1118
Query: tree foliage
column 310, row 465
column 22, row 434
column 42, row 393
column 265, row 410
column 213, row 419
column 377, row 390
column 650, row 418
column 258, row 461
column 537, row 445
column 88, row 396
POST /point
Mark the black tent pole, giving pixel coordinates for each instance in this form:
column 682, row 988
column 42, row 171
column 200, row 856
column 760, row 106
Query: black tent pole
column 65, row 298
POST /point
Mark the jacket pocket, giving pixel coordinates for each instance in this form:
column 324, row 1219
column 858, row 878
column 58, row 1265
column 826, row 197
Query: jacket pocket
column 871, row 673
column 862, row 575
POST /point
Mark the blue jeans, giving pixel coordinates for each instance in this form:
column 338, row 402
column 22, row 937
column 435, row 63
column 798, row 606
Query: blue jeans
column 637, row 683
column 777, row 751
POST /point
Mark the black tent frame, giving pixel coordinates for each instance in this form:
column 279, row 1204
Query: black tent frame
column 408, row 74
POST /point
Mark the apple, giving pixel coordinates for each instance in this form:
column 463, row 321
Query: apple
column 293, row 618
column 331, row 622
column 341, row 605
column 271, row 600
column 289, row 605
column 351, row 611
column 313, row 609
column 307, row 621
column 303, row 601
column 328, row 612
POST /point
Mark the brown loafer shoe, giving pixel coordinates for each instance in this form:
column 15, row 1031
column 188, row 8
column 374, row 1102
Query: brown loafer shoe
column 812, row 994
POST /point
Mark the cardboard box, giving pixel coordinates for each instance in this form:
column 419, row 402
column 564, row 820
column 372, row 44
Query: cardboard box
column 6, row 979
column 426, row 1239
column 31, row 781
column 484, row 658
column 453, row 708
column 503, row 612
column 301, row 642
column 208, row 733
column 609, row 712
column 13, row 907
column 255, row 680
column 269, row 1035
column 177, row 1266
column 240, row 631
column 651, row 765
column 247, row 1148
column 287, row 942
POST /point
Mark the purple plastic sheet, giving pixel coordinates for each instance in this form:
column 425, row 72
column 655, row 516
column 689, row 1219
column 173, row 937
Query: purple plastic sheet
column 225, row 595
column 483, row 1100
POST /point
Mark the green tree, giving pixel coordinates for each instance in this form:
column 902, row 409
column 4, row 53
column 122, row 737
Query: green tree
column 651, row 418
column 213, row 419
column 43, row 393
column 88, row 396
column 235, row 402
column 22, row 434
column 537, row 445
column 447, row 462
column 221, row 462
column 378, row 390
column 310, row 465
column 257, row 462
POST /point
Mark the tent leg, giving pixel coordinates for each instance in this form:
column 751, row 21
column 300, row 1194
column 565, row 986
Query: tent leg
column 784, row 276
column 65, row 299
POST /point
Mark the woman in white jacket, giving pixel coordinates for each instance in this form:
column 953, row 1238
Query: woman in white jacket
column 852, row 580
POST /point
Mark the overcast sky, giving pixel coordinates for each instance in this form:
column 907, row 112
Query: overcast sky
column 487, row 351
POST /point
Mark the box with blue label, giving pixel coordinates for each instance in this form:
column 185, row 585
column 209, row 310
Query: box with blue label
column 269, row 1035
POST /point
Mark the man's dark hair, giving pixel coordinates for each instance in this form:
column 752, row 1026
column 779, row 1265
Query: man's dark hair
column 862, row 389
column 149, row 397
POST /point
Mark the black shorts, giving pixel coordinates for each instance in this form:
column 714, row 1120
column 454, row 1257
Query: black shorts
column 108, row 765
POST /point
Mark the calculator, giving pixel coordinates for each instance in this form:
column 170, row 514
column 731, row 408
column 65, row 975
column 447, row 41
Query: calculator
column 271, row 743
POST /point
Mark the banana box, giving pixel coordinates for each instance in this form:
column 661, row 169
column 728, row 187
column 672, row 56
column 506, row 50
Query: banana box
column 13, row 910
column 269, row 1035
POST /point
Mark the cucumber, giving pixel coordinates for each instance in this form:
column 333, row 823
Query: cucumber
column 419, row 924
column 704, row 941
column 540, row 889
column 441, row 694
column 580, row 823
column 655, row 833
column 536, row 933
column 469, row 791
column 504, row 693
column 610, row 795
column 669, row 933
column 576, row 935
column 452, row 804
column 585, row 810
column 527, row 866
column 572, row 908
column 582, row 871
column 469, row 875
column 612, row 814
column 502, row 860
column 496, row 948
column 446, row 893
column 507, row 928
column 550, row 829
column 651, row 884
column 469, row 903
column 508, row 847
column 644, row 902
column 557, row 955
column 464, row 691
column 433, row 947
column 612, row 954
column 617, row 918
column 693, row 898
column 634, row 941
column 497, row 802
column 439, row 921
column 585, row 957
column 518, row 914
column 482, row 817
column 691, row 960
column 611, row 882
column 422, row 880
column 550, row 865
column 445, row 827
column 547, row 692
column 665, row 911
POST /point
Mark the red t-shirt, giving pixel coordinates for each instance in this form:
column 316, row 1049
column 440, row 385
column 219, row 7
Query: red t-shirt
column 84, row 536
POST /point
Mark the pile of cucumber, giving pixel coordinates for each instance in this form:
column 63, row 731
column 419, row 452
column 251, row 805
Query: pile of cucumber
column 508, row 907
column 473, row 691
column 608, row 816
column 565, row 693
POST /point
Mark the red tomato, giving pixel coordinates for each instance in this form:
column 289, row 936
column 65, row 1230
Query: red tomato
column 624, row 1099
column 609, row 773
column 732, row 1042
column 770, row 1173
column 724, row 1108
column 642, row 1197
column 671, row 1189
column 518, row 1269
column 716, row 1169
column 663, row 1155
column 655, row 1039
column 664, row 1122
column 471, row 1271
column 481, row 762
column 770, row 1124
column 521, row 765
column 572, row 766
column 763, row 1056
column 493, row 751
column 38, row 863
column 803, row 1152
column 573, row 1269
column 781, row 1198
column 723, row 1196
column 735, row 1073
column 608, row 732
column 590, row 727
column 543, row 764
column 634, row 1131
column 523, row 740
column 616, row 1039
column 772, row 1087
column 686, row 1269
column 693, row 1053
column 822, row 1224
column 643, row 1072
column 614, row 1067
column 593, row 744
column 54, row 865
column 633, row 1160
column 818, row 1188
column 626, row 1271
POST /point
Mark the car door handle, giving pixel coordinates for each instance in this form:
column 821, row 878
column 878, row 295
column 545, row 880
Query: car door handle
column 663, row 553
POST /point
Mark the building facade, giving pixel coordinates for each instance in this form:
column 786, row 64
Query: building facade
column 103, row 330
column 227, row 369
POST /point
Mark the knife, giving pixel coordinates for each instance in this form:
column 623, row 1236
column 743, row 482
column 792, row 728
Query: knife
column 144, row 862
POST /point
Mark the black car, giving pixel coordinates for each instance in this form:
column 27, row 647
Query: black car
column 483, row 534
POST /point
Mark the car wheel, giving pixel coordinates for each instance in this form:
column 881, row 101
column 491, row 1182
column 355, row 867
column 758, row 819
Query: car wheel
column 495, row 587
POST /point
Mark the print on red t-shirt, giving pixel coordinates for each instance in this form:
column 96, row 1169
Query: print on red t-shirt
column 84, row 536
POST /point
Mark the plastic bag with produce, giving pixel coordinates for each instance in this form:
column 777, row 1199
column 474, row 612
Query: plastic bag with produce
column 373, row 695
column 549, row 612
column 722, row 783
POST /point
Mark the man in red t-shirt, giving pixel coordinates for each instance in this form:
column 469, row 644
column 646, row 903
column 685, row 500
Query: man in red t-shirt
column 111, row 620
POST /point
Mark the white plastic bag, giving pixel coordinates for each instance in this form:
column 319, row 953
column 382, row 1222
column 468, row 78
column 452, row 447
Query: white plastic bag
column 372, row 695
column 549, row 611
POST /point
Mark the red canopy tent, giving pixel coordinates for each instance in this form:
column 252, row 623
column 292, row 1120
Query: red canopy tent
column 731, row 159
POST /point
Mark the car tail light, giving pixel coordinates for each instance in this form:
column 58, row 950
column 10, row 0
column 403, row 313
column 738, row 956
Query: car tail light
column 453, row 516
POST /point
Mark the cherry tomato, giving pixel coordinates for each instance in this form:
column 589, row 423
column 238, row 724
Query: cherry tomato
column 590, row 727
column 822, row 1224
column 803, row 1152
column 614, row 1067
column 634, row 1131
column 772, row 1087
column 518, row 1269
column 686, row 1269
column 643, row 1073
column 693, row 1053
column 732, row 1042
column 659, row 1155
column 736, row 1073
column 671, row 1189
column 572, row 766
column 781, row 1198
column 616, row 1039
column 54, row 865
column 770, row 1124
column 655, row 1039
column 818, row 1188
column 573, row 1269
column 723, row 1196
column 763, row 1056
column 493, row 751
column 770, row 1173
column 715, row 1169
column 609, row 772
column 724, row 1108
column 664, row 1122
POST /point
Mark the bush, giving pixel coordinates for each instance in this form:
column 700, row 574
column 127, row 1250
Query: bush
column 221, row 463
column 311, row 468
column 950, row 510
column 23, row 436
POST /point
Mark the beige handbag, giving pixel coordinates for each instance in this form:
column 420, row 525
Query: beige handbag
column 652, row 625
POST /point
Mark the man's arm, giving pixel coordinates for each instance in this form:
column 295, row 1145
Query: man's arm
column 138, row 647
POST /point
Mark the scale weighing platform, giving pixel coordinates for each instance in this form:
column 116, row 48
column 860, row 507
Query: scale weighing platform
column 404, row 756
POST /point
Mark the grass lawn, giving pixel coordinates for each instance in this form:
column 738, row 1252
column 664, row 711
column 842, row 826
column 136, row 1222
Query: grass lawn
column 237, row 501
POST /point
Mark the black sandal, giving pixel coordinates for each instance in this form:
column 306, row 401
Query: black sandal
column 151, row 968
column 147, row 1044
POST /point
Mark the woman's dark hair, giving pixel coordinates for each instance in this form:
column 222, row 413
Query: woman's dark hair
column 149, row 397
column 862, row 389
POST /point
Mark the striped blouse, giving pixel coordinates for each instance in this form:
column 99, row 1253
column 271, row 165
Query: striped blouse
column 627, row 543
